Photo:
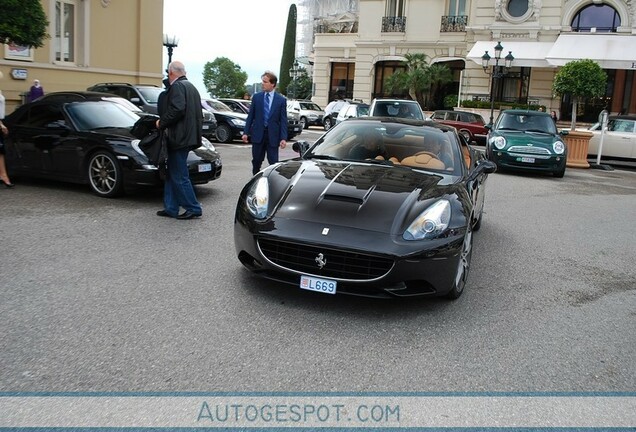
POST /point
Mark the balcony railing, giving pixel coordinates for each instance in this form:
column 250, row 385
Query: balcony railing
column 454, row 23
column 394, row 24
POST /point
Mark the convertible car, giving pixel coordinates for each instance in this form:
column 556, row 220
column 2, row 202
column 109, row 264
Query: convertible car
column 87, row 139
column 378, row 207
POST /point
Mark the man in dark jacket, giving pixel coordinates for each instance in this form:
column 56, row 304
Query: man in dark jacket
column 182, row 121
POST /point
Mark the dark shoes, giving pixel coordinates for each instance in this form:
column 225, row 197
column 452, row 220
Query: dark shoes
column 183, row 216
column 8, row 185
column 188, row 215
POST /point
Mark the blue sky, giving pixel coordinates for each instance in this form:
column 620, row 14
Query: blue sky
column 248, row 32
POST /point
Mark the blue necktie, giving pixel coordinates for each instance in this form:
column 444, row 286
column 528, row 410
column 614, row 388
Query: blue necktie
column 266, row 108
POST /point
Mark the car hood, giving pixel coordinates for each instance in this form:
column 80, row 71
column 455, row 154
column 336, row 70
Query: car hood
column 363, row 196
column 524, row 138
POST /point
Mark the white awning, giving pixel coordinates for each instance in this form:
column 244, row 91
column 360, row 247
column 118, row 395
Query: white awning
column 528, row 54
column 610, row 51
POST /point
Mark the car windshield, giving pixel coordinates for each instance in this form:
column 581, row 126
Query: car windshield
column 389, row 143
column 215, row 105
column 123, row 102
column 100, row 115
column 310, row 106
column 398, row 109
column 526, row 122
column 151, row 94
column 363, row 110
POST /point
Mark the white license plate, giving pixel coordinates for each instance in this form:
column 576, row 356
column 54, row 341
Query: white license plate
column 205, row 167
column 527, row 159
column 316, row 284
column 206, row 127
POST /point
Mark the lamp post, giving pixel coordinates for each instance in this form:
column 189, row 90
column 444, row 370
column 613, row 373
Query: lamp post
column 294, row 71
column 170, row 42
column 496, row 72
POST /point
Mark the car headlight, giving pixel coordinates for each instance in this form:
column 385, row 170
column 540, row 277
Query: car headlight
column 135, row 145
column 238, row 122
column 558, row 147
column 430, row 223
column 498, row 141
column 258, row 198
column 205, row 143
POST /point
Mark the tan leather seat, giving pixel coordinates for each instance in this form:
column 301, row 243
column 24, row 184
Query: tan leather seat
column 423, row 160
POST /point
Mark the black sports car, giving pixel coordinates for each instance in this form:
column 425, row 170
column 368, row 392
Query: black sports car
column 376, row 207
column 89, row 142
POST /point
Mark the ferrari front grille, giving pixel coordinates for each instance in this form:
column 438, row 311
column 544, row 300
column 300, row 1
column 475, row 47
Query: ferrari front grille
column 324, row 262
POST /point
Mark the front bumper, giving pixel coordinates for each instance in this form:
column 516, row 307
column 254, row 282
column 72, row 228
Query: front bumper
column 528, row 161
column 363, row 263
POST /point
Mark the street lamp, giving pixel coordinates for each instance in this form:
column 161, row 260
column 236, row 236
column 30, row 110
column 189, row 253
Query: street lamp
column 294, row 71
column 170, row 42
column 496, row 73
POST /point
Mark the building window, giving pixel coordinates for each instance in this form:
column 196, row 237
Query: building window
column 341, row 81
column 65, row 25
column 457, row 8
column 517, row 8
column 383, row 70
column 596, row 17
column 394, row 8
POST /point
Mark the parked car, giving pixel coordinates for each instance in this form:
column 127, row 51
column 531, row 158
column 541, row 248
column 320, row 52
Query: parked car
column 367, row 210
column 145, row 96
column 619, row 140
column 401, row 108
column 310, row 113
column 352, row 110
column 331, row 113
column 229, row 124
column 527, row 140
column 89, row 142
column 241, row 106
column 469, row 124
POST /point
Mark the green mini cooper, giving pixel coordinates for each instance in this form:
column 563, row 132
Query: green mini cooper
column 526, row 140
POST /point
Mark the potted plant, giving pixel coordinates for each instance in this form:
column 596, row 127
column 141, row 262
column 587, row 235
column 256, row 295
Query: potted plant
column 580, row 79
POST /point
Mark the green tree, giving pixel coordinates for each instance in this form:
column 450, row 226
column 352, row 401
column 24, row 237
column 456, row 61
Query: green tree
column 289, row 51
column 580, row 79
column 224, row 78
column 301, row 87
column 421, row 80
column 23, row 22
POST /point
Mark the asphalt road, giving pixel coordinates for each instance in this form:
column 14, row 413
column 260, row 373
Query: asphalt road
column 102, row 295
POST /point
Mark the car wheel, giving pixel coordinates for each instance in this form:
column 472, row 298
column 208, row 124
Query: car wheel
column 104, row 174
column 467, row 135
column 223, row 133
column 560, row 173
column 327, row 123
column 477, row 222
column 303, row 123
column 461, row 274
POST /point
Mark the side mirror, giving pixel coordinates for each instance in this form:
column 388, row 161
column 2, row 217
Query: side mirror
column 136, row 100
column 301, row 147
column 58, row 125
column 488, row 126
column 564, row 132
column 484, row 166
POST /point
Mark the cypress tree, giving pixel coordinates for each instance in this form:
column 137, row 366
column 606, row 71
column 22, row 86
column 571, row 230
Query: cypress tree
column 289, row 51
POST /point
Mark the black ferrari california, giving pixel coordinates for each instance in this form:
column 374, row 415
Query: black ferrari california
column 86, row 140
column 379, row 207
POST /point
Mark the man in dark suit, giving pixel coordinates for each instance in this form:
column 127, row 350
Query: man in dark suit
column 182, row 118
column 266, row 123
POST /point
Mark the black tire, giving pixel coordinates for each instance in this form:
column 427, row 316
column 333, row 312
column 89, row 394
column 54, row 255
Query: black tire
column 469, row 136
column 303, row 123
column 104, row 174
column 223, row 133
column 327, row 123
column 560, row 173
column 477, row 222
column 461, row 274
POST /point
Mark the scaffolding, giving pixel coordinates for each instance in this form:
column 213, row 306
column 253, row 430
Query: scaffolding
column 323, row 16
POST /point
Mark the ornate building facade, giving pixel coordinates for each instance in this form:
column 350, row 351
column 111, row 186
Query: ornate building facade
column 542, row 35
